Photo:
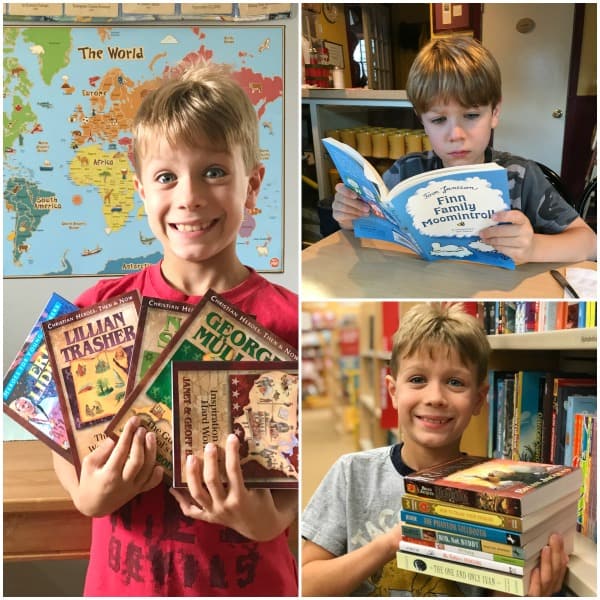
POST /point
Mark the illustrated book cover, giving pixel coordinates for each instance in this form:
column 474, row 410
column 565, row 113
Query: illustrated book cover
column 258, row 401
column 214, row 331
column 30, row 396
column 437, row 214
column 498, row 485
column 158, row 321
column 90, row 352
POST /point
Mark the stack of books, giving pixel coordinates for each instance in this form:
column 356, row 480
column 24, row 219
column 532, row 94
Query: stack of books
column 484, row 522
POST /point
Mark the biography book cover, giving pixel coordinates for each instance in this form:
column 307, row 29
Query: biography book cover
column 159, row 320
column 30, row 396
column 437, row 214
column 258, row 401
column 90, row 352
column 498, row 485
column 214, row 331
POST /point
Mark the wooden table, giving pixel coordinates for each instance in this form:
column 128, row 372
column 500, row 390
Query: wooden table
column 343, row 266
column 40, row 521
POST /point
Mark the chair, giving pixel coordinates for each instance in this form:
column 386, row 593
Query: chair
column 588, row 203
column 556, row 181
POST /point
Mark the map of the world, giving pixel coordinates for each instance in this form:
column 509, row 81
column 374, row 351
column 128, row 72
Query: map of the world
column 70, row 94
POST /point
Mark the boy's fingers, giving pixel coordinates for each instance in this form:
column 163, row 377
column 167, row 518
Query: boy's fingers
column 211, row 473
column 101, row 454
column 195, row 482
column 232, row 464
column 123, row 446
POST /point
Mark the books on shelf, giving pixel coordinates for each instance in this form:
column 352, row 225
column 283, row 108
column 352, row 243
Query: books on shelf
column 29, row 394
column 437, row 214
column 258, row 401
column 90, row 352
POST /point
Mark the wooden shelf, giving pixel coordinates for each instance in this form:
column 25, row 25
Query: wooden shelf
column 563, row 339
column 582, row 572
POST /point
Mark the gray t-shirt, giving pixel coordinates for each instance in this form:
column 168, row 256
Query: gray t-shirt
column 359, row 499
column 529, row 190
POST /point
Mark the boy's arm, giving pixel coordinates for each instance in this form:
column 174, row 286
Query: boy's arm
column 515, row 238
column 114, row 473
column 324, row 574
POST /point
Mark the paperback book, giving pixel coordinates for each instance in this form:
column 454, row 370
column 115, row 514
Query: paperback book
column 437, row 214
column 90, row 352
column 497, row 485
column 159, row 320
column 30, row 396
column 258, row 401
column 215, row 330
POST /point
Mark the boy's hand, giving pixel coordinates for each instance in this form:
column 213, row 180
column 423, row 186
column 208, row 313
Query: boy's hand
column 547, row 579
column 514, row 237
column 347, row 206
column 257, row 514
column 116, row 472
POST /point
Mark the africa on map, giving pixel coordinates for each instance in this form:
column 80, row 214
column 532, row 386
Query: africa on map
column 70, row 94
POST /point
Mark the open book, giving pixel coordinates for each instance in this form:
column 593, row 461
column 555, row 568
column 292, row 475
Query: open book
column 437, row 214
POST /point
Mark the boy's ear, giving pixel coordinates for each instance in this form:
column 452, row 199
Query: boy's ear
column 496, row 115
column 390, row 383
column 254, row 182
column 139, row 188
column 481, row 397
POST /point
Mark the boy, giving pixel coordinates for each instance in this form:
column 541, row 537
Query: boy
column 454, row 86
column 197, row 169
column 351, row 524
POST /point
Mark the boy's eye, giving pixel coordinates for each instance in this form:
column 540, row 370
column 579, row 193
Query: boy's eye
column 416, row 379
column 472, row 116
column 165, row 178
column 438, row 120
column 455, row 382
column 214, row 172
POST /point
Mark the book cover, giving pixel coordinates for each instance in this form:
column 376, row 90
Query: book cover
column 215, row 330
column 575, row 404
column 437, row 214
column 258, row 401
column 90, row 352
column 502, row 582
column 30, row 396
column 158, row 321
column 530, row 388
column 498, row 485
column 489, row 518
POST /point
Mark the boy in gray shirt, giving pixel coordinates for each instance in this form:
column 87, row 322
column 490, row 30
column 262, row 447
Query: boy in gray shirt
column 351, row 526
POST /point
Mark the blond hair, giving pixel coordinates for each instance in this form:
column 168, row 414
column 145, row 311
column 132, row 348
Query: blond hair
column 431, row 327
column 456, row 68
column 204, row 101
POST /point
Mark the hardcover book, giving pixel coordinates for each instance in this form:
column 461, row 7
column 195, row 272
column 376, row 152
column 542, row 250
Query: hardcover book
column 258, row 401
column 90, row 352
column 30, row 396
column 158, row 321
column 498, row 485
column 214, row 331
column 437, row 214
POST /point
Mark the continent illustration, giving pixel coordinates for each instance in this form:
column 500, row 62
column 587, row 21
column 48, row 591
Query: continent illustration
column 70, row 96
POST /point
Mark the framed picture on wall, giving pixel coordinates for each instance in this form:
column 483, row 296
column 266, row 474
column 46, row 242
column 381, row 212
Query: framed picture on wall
column 447, row 16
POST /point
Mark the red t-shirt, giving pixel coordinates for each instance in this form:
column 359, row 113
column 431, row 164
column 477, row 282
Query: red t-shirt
column 148, row 547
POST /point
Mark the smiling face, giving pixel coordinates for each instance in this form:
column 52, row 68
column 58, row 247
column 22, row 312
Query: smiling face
column 435, row 395
column 460, row 135
column 195, row 200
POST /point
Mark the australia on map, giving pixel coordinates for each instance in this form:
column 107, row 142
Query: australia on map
column 70, row 95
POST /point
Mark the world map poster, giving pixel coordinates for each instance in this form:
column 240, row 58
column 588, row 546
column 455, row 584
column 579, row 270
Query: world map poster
column 70, row 95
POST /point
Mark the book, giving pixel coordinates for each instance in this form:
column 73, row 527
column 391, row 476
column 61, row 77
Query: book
column 514, row 488
column 436, row 567
column 575, row 404
column 215, row 330
column 90, row 352
column 437, row 214
column 29, row 394
column 449, row 510
column 530, row 390
column 158, row 321
column 258, row 401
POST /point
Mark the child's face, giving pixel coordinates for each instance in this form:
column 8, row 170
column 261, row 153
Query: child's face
column 435, row 397
column 459, row 135
column 195, row 199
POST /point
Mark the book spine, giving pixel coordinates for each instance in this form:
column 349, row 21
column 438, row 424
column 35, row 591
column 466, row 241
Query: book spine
column 462, row 558
column 464, row 543
column 463, row 513
column 500, row 582
column 461, row 528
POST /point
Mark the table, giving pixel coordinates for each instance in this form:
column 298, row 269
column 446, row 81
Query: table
column 343, row 266
column 40, row 520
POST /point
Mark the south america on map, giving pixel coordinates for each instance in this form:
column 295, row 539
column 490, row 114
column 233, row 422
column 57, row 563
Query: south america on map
column 70, row 95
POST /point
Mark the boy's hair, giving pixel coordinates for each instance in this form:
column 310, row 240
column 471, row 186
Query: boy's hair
column 456, row 68
column 430, row 327
column 205, row 100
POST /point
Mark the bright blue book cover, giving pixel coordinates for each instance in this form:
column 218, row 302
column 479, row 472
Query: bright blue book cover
column 531, row 385
column 573, row 405
column 437, row 214
column 30, row 396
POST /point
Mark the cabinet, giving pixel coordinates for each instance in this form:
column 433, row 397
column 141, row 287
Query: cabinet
column 325, row 109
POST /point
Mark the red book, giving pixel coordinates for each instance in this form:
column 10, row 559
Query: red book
column 390, row 322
